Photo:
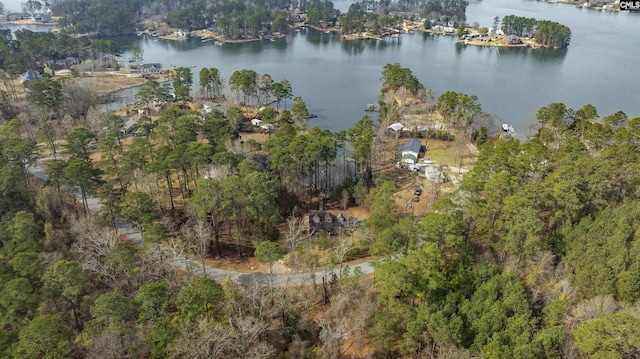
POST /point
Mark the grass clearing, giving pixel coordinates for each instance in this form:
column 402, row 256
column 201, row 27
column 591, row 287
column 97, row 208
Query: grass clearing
column 451, row 153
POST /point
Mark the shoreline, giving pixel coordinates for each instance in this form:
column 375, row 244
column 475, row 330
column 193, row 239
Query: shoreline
column 207, row 36
column 499, row 42
column 29, row 22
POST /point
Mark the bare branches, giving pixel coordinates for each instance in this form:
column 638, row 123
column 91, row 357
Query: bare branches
column 93, row 245
column 297, row 232
column 347, row 321
column 198, row 234
column 246, row 332
column 201, row 340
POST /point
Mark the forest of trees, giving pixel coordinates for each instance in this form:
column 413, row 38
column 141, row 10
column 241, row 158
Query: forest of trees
column 547, row 33
column 235, row 19
column 99, row 17
column 242, row 19
column 25, row 49
column 446, row 10
column 535, row 255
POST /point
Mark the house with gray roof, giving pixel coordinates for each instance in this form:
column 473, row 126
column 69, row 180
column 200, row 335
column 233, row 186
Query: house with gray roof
column 155, row 68
column 434, row 174
column 411, row 150
column 29, row 76
column 326, row 221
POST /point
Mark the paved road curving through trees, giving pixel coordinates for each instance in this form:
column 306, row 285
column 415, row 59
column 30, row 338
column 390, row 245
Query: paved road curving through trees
column 130, row 231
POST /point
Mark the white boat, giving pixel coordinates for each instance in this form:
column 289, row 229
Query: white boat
column 508, row 128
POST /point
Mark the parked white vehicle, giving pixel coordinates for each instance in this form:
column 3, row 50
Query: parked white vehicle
column 411, row 167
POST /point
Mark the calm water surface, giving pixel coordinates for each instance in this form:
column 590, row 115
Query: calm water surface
column 338, row 79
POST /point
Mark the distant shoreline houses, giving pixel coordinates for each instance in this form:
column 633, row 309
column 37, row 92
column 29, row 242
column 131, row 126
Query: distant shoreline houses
column 41, row 18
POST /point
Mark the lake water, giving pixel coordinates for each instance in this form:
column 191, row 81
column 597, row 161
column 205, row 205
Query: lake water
column 12, row 5
column 337, row 79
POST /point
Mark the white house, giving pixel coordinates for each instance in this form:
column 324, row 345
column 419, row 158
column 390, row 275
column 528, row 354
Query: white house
column 396, row 126
column 134, row 73
column 209, row 106
column 449, row 30
column 411, row 150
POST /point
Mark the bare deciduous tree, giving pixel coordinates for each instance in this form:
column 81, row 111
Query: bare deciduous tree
column 149, row 182
column 94, row 243
column 246, row 332
column 201, row 340
column 348, row 318
column 78, row 98
column 219, row 172
column 343, row 246
column 255, row 298
column 113, row 345
column 174, row 252
column 297, row 232
column 94, row 121
column 198, row 234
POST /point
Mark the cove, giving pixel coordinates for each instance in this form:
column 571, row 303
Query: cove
column 337, row 79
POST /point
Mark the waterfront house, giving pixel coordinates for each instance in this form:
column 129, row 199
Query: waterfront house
column 181, row 34
column 411, row 150
column 29, row 76
column 397, row 129
column 209, row 106
column 17, row 16
column 42, row 18
column 66, row 62
column 513, row 40
column 266, row 127
column 129, row 125
column 396, row 126
column 151, row 68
